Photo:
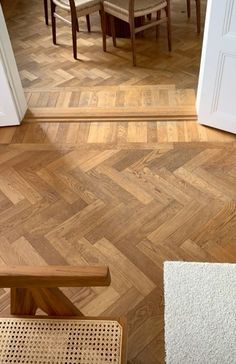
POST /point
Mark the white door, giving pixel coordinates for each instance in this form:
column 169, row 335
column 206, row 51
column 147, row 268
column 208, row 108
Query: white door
column 12, row 100
column 216, row 99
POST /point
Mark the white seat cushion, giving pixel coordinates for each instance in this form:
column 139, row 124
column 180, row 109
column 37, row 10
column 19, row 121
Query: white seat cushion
column 141, row 7
column 81, row 5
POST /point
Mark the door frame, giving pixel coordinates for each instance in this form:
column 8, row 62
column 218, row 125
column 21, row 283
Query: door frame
column 159, row 113
column 11, row 70
column 71, row 114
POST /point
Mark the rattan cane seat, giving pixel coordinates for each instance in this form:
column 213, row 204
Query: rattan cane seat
column 60, row 341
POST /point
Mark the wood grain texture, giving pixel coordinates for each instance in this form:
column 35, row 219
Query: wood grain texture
column 22, row 302
column 53, row 302
column 85, row 134
column 54, row 276
column 43, row 65
column 106, row 103
column 127, row 195
column 100, row 84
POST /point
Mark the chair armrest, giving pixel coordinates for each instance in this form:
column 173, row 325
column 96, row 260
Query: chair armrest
column 53, row 276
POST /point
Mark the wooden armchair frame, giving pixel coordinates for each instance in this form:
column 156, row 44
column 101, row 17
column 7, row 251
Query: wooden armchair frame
column 131, row 20
column 37, row 287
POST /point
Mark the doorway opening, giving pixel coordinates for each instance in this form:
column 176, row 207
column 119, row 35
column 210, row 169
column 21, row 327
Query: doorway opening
column 103, row 84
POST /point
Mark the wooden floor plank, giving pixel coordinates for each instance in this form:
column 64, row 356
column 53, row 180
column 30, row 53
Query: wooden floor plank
column 162, row 82
column 111, row 133
column 111, row 194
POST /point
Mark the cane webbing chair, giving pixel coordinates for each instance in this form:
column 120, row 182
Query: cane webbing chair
column 77, row 9
column 65, row 336
column 128, row 11
column 198, row 13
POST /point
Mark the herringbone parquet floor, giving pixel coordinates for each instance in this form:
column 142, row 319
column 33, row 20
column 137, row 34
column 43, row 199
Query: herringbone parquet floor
column 44, row 66
column 53, row 79
column 117, row 134
column 144, row 98
column 131, row 204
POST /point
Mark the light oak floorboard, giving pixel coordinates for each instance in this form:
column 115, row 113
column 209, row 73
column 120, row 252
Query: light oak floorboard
column 130, row 195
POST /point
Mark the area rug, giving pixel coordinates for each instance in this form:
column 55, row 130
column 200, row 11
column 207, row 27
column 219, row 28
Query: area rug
column 200, row 313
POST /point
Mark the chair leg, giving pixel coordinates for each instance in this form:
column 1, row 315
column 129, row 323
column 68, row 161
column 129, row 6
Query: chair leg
column 88, row 23
column 53, row 20
column 158, row 26
column 104, row 28
column 74, row 39
column 169, row 26
column 198, row 10
column 189, row 8
column 74, row 32
column 132, row 35
column 46, row 11
column 113, row 29
column 77, row 25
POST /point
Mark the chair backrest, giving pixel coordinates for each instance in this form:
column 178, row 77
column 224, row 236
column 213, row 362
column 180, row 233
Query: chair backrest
column 132, row 7
column 63, row 4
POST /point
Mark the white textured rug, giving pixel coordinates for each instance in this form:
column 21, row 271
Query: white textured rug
column 200, row 313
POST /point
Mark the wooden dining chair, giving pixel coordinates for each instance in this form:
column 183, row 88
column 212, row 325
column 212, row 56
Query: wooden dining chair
column 198, row 13
column 128, row 11
column 77, row 9
column 65, row 336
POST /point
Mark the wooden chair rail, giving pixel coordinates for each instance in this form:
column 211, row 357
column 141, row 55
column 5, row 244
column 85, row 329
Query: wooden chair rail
column 53, row 276
column 37, row 287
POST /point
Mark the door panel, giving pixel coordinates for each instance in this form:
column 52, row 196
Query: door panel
column 8, row 112
column 216, row 103
column 12, row 100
